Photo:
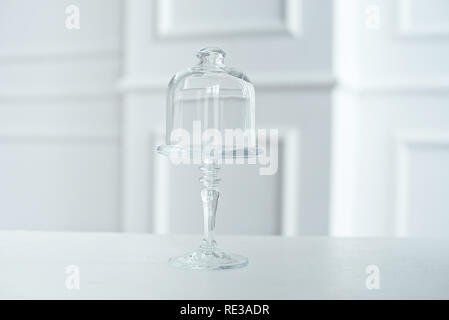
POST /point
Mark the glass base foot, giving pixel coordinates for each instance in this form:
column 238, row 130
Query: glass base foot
column 209, row 259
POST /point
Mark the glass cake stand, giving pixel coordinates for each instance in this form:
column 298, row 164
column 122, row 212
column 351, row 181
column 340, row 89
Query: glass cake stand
column 203, row 102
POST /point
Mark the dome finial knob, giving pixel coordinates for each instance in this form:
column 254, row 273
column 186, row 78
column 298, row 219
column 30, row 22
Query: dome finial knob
column 211, row 55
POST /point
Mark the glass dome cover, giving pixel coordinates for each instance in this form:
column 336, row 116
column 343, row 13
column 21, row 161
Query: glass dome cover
column 210, row 111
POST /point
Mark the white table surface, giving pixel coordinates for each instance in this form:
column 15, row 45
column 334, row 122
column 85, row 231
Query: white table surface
column 134, row 266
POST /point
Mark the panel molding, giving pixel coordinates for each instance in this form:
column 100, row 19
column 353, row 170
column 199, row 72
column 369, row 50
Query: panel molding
column 293, row 81
column 38, row 55
column 404, row 140
column 395, row 84
column 89, row 81
column 142, row 192
column 407, row 28
column 161, row 187
column 58, row 138
column 49, row 94
column 323, row 81
column 290, row 181
column 290, row 24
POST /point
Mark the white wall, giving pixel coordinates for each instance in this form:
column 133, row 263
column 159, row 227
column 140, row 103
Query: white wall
column 59, row 116
column 82, row 111
column 72, row 160
column 390, row 119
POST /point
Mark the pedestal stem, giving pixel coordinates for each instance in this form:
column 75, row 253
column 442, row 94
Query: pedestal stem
column 209, row 195
column 209, row 256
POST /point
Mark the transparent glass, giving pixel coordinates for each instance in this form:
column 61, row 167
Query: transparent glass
column 210, row 117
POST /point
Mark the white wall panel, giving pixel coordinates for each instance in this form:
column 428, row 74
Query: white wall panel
column 424, row 18
column 421, row 183
column 387, row 56
column 369, row 168
column 59, row 116
column 395, row 83
column 52, row 183
column 212, row 18
column 92, row 75
column 37, row 28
